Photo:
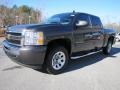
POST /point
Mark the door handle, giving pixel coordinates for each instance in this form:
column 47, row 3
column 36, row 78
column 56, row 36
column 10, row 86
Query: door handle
column 96, row 34
column 88, row 36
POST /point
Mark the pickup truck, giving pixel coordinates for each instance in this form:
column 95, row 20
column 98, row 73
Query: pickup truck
column 51, row 44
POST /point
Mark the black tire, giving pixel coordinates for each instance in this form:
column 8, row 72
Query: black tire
column 107, row 49
column 49, row 60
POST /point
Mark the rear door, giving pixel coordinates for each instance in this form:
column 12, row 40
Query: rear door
column 97, row 32
column 82, row 35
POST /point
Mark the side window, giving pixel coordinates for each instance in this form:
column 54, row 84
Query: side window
column 96, row 22
column 84, row 17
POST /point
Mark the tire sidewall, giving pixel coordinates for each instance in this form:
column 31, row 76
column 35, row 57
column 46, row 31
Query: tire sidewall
column 50, row 68
column 105, row 49
column 109, row 42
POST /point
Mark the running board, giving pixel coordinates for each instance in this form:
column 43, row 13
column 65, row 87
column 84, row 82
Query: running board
column 77, row 57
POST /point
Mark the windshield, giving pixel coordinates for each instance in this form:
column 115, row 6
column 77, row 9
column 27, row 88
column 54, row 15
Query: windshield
column 60, row 19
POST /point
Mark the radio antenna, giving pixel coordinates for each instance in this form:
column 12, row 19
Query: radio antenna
column 73, row 11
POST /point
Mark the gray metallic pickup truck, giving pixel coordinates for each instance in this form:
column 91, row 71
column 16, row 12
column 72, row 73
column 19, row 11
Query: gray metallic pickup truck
column 51, row 44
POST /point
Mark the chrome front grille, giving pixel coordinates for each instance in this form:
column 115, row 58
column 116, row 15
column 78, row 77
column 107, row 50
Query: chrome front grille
column 14, row 38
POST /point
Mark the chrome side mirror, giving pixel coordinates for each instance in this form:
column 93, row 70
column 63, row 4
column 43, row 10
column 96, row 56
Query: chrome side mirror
column 81, row 23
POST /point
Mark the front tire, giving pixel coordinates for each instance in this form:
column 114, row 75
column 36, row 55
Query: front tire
column 57, row 60
column 107, row 49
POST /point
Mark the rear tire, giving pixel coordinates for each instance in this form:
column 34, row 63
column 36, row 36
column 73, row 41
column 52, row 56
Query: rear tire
column 107, row 49
column 57, row 60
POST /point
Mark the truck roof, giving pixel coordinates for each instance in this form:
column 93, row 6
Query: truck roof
column 75, row 13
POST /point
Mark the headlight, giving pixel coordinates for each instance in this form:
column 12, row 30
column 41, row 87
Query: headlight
column 33, row 38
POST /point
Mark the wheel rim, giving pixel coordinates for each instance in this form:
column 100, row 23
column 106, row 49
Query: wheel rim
column 58, row 60
column 109, row 46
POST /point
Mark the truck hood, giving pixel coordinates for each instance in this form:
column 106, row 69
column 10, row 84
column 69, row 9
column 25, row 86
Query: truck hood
column 18, row 28
column 36, row 27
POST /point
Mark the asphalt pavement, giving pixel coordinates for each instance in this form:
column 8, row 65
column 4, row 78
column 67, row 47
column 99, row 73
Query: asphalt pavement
column 94, row 72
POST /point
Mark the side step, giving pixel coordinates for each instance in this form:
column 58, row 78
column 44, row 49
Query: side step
column 77, row 57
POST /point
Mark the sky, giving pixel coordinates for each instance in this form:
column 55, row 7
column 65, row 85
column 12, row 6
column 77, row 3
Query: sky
column 108, row 10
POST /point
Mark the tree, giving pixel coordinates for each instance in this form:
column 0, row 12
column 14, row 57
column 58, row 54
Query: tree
column 19, row 15
column 114, row 26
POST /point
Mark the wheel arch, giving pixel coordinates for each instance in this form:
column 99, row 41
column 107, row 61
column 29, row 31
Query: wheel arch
column 111, row 38
column 65, row 42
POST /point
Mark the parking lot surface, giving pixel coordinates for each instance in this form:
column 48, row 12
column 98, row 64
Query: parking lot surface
column 94, row 72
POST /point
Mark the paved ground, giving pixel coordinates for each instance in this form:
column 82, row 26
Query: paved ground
column 95, row 72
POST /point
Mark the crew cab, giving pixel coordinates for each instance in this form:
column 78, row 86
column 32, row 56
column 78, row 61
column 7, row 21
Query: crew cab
column 51, row 44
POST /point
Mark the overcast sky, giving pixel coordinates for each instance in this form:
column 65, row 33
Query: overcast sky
column 108, row 10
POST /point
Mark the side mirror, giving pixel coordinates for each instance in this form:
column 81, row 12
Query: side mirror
column 81, row 23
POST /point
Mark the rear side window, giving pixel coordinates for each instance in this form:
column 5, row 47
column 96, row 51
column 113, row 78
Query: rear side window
column 96, row 22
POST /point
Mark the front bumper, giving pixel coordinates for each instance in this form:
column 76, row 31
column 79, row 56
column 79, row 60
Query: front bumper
column 30, row 56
